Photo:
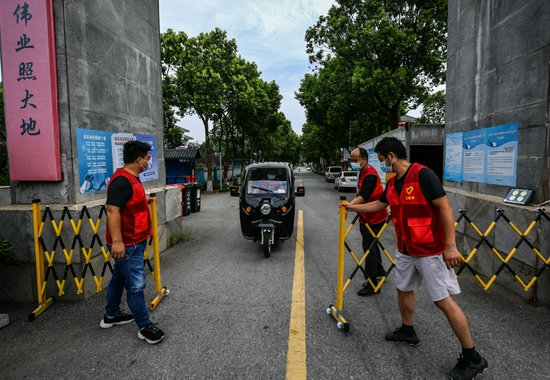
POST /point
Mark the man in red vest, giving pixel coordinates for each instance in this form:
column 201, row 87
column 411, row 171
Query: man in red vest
column 128, row 228
column 426, row 249
column 369, row 189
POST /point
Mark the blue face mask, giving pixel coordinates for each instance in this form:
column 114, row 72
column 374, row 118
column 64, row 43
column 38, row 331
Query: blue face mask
column 385, row 168
column 355, row 165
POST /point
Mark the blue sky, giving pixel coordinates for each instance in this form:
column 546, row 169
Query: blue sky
column 269, row 33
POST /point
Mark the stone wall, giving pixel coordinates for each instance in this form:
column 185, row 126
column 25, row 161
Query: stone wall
column 109, row 79
column 498, row 72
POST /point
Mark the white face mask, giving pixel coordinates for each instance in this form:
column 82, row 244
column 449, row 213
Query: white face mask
column 149, row 164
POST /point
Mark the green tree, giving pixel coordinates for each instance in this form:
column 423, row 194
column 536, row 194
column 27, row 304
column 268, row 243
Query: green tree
column 433, row 111
column 198, row 70
column 394, row 51
column 240, row 111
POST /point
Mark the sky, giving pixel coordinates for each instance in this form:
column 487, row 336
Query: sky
column 268, row 32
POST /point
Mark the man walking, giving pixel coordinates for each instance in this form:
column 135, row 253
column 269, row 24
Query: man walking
column 369, row 189
column 426, row 249
column 128, row 228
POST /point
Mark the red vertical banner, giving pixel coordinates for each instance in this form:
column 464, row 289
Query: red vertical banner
column 30, row 89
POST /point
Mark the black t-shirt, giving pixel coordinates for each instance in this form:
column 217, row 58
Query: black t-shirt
column 429, row 183
column 368, row 186
column 120, row 192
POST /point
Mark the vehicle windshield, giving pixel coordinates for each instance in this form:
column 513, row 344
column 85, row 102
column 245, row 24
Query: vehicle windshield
column 334, row 170
column 267, row 186
column 267, row 180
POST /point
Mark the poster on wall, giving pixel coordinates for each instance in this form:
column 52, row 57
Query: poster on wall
column 473, row 160
column 375, row 163
column 95, row 163
column 502, row 149
column 153, row 172
column 100, row 154
column 117, row 143
column 487, row 155
column 453, row 157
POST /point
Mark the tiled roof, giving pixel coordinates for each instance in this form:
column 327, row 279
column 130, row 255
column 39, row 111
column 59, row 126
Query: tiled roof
column 177, row 154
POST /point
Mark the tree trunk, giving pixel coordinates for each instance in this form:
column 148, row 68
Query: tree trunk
column 209, row 187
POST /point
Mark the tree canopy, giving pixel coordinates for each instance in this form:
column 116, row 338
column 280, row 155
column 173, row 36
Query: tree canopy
column 433, row 111
column 206, row 77
column 372, row 60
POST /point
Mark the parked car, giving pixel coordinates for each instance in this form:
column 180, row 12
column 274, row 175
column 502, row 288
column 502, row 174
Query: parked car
column 332, row 173
column 346, row 180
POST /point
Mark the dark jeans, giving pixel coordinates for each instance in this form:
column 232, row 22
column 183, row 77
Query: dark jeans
column 373, row 262
column 129, row 274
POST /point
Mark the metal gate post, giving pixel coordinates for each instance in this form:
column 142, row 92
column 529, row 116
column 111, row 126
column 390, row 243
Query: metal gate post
column 43, row 303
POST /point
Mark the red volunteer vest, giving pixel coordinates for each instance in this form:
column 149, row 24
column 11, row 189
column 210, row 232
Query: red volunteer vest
column 135, row 216
column 417, row 222
column 372, row 217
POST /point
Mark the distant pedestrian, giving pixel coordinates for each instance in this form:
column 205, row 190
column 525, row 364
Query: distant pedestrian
column 128, row 228
column 369, row 189
column 426, row 249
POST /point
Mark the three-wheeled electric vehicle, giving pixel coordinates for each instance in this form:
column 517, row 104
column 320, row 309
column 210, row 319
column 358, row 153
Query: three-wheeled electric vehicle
column 266, row 203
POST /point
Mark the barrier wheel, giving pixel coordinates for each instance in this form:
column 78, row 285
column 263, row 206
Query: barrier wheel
column 329, row 311
column 166, row 292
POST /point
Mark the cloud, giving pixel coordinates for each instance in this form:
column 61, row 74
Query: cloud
column 269, row 33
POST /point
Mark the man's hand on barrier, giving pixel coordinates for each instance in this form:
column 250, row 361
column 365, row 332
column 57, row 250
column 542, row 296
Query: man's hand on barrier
column 345, row 211
column 451, row 257
column 118, row 250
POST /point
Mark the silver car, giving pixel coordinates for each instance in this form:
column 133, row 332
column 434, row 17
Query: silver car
column 346, row 180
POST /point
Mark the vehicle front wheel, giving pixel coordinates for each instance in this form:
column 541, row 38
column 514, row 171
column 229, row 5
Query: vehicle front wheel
column 267, row 243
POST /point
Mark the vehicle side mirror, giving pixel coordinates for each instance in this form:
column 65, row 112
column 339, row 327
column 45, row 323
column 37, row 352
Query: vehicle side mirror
column 300, row 191
column 234, row 191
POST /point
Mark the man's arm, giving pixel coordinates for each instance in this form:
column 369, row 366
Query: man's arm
column 450, row 253
column 366, row 207
column 114, row 225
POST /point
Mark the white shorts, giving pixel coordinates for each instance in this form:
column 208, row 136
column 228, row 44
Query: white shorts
column 412, row 271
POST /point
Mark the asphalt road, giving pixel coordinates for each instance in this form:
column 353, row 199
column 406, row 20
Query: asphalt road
column 227, row 315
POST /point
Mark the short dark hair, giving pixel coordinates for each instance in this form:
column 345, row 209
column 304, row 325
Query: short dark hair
column 363, row 153
column 391, row 144
column 134, row 149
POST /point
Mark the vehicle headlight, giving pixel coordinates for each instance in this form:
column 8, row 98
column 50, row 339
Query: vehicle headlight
column 265, row 209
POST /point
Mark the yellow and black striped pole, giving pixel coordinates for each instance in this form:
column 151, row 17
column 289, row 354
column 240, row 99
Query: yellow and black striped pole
column 336, row 310
column 161, row 291
column 38, row 224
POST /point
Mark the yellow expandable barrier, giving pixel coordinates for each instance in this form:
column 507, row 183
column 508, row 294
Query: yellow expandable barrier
column 45, row 257
column 336, row 310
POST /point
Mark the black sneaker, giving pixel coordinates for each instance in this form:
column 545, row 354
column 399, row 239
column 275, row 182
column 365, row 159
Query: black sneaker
column 398, row 336
column 466, row 370
column 367, row 291
column 120, row 319
column 151, row 333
